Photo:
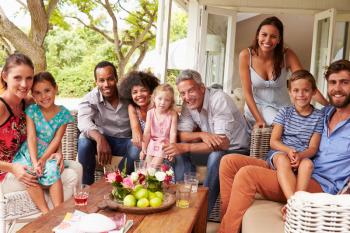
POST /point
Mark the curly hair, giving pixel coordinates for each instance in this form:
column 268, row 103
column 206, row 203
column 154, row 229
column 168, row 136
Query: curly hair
column 137, row 78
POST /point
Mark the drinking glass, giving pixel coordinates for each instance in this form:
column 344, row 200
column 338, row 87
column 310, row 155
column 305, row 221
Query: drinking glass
column 183, row 195
column 189, row 176
column 109, row 168
column 194, row 184
column 81, row 195
column 140, row 165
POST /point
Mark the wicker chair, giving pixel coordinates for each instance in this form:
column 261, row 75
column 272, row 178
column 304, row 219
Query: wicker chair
column 18, row 207
column 318, row 212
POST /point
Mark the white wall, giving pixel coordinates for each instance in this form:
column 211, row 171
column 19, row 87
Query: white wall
column 297, row 36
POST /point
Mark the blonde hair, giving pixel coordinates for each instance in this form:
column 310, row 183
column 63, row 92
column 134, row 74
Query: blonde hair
column 165, row 88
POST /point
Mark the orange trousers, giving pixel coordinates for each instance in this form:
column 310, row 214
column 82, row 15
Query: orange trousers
column 241, row 177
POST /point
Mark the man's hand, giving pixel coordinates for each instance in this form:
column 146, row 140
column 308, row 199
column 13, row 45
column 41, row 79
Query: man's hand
column 215, row 141
column 173, row 149
column 19, row 171
column 104, row 154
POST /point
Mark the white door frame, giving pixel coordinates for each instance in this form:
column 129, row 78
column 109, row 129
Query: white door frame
column 330, row 13
column 230, row 43
column 162, row 38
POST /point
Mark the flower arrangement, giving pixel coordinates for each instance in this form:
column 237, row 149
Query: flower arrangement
column 150, row 179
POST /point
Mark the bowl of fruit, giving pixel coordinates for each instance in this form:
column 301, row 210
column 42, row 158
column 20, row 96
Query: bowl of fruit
column 142, row 191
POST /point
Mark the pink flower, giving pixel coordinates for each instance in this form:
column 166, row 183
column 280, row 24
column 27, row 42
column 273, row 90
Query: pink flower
column 164, row 167
column 111, row 177
column 128, row 183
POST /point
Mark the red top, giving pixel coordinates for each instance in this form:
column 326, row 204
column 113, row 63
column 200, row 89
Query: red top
column 12, row 135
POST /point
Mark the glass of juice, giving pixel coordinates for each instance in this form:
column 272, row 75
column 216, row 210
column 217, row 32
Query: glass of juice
column 81, row 195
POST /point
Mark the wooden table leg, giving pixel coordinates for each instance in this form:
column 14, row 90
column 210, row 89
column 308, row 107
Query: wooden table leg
column 201, row 224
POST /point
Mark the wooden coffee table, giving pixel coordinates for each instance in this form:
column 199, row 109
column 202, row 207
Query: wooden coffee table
column 174, row 220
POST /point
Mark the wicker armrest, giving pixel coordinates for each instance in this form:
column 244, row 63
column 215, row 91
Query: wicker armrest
column 260, row 142
column 318, row 212
column 70, row 139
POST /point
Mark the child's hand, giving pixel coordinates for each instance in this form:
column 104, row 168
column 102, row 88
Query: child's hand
column 291, row 155
column 39, row 168
column 295, row 163
column 142, row 155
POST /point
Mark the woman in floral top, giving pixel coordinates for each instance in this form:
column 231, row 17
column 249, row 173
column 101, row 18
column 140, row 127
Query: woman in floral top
column 17, row 80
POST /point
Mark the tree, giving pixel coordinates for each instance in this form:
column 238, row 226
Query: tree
column 31, row 43
column 72, row 56
column 127, row 43
column 178, row 26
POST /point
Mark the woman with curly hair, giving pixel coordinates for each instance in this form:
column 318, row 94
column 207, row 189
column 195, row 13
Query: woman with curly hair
column 137, row 87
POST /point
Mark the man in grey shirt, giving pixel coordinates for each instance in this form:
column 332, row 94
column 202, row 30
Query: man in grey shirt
column 104, row 124
column 222, row 130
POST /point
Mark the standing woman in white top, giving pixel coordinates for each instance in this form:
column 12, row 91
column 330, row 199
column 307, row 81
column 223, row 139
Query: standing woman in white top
column 263, row 69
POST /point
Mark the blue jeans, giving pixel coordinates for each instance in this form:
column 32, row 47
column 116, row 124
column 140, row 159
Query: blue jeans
column 119, row 146
column 186, row 163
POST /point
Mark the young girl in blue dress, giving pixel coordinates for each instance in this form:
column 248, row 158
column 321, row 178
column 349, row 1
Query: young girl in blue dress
column 46, row 124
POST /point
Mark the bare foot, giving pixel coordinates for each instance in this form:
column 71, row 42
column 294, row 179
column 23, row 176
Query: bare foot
column 284, row 212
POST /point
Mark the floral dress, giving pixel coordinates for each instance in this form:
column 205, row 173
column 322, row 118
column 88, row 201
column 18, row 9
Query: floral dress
column 45, row 132
column 12, row 135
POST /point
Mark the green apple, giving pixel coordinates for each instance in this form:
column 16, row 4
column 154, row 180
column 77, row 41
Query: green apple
column 141, row 193
column 151, row 195
column 159, row 194
column 142, row 203
column 155, row 202
column 138, row 187
column 129, row 200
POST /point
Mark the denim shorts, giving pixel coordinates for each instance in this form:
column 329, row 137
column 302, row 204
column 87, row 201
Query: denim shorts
column 270, row 155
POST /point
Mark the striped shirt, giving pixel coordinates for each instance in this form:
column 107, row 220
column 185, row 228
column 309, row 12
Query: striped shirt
column 297, row 129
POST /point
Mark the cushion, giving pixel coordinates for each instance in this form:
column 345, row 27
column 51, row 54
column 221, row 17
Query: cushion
column 263, row 217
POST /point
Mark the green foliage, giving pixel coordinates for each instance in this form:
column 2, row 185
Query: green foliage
column 3, row 56
column 178, row 26
column 137, row 21
column 136, row 39
column 57, row 19
column 171, row 79
column 72, row 56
